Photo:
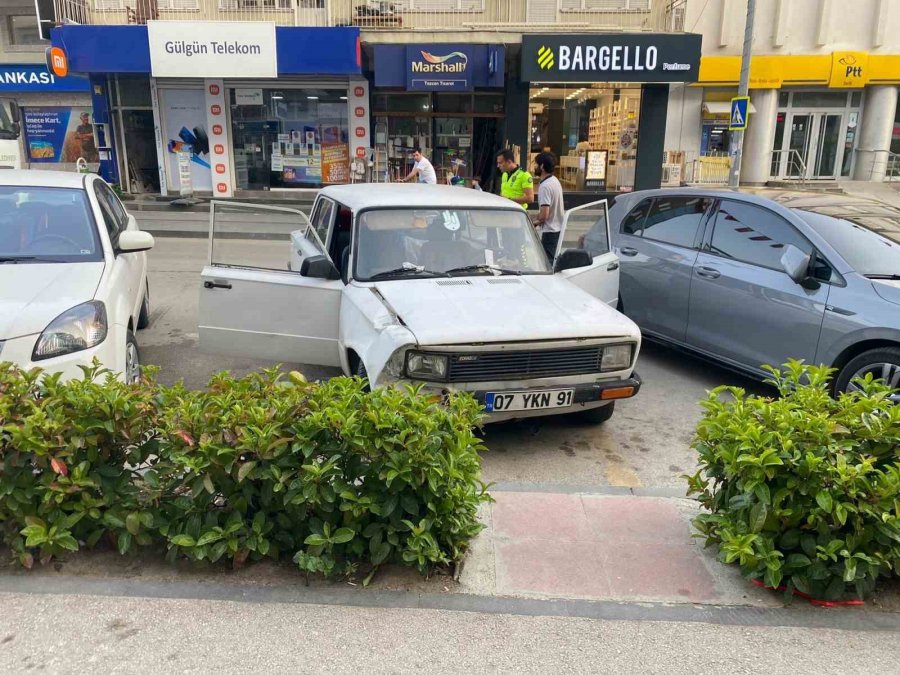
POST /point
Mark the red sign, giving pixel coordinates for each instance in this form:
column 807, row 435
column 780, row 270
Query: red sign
column 219, row 149
column 214, row 89
column 220, row 168
column 359, row 92
column 215, row 109
column 217, row 129
column 360, row 152
column 221, row 187
column 58, row 62
column 360, row 111
column 360, row 132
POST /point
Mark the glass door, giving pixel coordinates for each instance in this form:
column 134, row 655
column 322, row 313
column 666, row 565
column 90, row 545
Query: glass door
column 828, row 145
column 799, row 137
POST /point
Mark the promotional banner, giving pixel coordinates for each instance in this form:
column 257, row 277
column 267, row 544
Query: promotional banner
column 218, row 138
column 55, row 135
column 335, row 163
column 358, row 104
column 212, row 49
column 184, row 115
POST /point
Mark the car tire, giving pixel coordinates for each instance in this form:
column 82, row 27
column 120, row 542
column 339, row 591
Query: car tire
column 597, row 415
column 144, row 317
column 132, row 359
column 881, row 361
column 360, row 372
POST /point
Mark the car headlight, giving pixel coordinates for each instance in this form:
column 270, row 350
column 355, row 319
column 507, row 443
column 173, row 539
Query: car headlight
column 82, row 327
column 616, row 357
column 426, row 366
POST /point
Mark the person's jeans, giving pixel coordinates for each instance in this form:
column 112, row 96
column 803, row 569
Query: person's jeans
column 550, row 241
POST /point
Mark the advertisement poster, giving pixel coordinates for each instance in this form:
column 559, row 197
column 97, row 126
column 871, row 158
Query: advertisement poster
column 336, row 163
column 185, row 130
column 59, row 135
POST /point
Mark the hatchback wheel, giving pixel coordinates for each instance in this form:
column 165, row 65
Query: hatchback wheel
column 882, row 363
column 132, row 360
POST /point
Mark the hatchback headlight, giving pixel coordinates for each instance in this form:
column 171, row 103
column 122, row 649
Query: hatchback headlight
column 82, row 327
column 422, row 366
column 616, row 357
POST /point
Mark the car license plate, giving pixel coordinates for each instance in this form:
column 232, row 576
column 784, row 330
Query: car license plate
column 528, row 400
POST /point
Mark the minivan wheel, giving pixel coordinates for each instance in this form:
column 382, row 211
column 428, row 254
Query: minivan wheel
column 597, row 415
column 132, row 360
column 883, row 363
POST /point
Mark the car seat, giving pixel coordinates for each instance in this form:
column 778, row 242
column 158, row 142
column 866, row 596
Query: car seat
column 443, row 252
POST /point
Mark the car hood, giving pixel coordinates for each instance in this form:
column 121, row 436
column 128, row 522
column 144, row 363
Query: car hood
column 889, row 289
column 33, row 295
column 464, row 310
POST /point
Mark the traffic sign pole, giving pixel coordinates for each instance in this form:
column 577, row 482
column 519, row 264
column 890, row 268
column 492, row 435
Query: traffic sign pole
column 734, row 177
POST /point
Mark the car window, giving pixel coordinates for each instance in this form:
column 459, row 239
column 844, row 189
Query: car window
column 633, row 223
column 596, row 241
column 675, row 220
column 113, row 213
column 867, row 252
column 323, row 218
column 753, row 234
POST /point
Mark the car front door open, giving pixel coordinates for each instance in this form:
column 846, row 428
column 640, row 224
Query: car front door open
column 587, row 226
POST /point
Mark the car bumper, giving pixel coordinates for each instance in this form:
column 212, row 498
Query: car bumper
column 19, row 350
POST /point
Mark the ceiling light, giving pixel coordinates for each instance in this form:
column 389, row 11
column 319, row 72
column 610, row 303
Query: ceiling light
column 313, row 98
column 276, row 97
column 343, row 98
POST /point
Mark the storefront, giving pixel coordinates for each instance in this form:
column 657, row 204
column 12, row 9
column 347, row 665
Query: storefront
column 446, row 99
column 599, row 103
column 56, row 119
column 255, row 114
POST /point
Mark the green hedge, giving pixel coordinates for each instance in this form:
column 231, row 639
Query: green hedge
column 802, row 490
column 329, row 475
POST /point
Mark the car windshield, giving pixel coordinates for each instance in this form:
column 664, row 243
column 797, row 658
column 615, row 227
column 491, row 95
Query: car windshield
column 420, row 242
column 869, row 253
column 44, row 224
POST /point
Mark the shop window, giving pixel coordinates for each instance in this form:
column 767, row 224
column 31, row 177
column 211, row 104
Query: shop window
column 23, row 30
column 407, row 103
column 489, row 103
column 453, row 103
column 134, row 92
column 819, row 99
column 855, row 99
column 783, row 99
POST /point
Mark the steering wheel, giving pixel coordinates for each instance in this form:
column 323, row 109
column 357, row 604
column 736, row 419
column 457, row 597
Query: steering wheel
column 54, row 237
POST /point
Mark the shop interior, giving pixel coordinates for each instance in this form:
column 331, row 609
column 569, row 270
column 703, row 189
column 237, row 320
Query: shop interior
column 591, row 128
column 459, row 132
column 286, row 138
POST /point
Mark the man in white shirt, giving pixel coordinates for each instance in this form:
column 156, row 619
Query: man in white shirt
column 422, row 168
column 549, row 220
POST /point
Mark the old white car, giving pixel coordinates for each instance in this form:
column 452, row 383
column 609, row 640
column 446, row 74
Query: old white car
column 435, row 285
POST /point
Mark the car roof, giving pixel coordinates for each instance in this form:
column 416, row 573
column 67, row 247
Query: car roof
column 414, row 195
column 35, row 178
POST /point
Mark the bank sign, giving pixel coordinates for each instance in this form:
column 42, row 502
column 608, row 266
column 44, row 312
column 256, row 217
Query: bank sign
column 22, row 78
column 611, row 58
column 439, row 67
column 212, row 49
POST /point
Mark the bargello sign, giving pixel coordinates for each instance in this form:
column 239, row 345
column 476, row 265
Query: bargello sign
column 212, row 49
column 611, row 58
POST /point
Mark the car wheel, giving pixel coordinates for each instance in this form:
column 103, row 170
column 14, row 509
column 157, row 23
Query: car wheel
column 361, row 373
column 132, row 359
column 882, row 363
column 597, row 415
column 144, row 316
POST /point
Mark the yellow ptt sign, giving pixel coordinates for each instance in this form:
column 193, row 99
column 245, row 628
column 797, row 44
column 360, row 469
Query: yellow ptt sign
column 849, row 70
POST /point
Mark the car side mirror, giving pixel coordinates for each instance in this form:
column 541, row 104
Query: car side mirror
column 319, row 267
column 132, row 241
column 573, row 258
column 795, row 263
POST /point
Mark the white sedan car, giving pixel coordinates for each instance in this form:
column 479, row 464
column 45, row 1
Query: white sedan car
column 433, row 285
column 73, row 275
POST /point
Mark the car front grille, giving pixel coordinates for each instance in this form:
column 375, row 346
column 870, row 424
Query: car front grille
column 522, row 365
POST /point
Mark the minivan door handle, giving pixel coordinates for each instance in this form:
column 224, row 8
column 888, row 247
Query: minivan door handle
column 708, row 273
column 627, row 250
column 217, row 284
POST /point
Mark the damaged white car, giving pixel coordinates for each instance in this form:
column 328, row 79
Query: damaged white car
column 433, row 285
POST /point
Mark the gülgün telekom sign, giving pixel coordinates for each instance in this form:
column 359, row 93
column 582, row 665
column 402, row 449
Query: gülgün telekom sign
column 212, row 49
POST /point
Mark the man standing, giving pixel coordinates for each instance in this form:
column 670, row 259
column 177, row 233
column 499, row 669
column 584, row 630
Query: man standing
column 422, row 168
column 516, row 184
column 550, row 200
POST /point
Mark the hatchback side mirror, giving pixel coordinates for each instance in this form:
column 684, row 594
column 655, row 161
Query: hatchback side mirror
column 573, row 258
column 319, row 267
column 795, row 263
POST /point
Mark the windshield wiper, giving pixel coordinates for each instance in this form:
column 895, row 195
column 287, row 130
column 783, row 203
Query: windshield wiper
column 892, row 277
column 407, row 268
column 17, row 258
column 484, row 267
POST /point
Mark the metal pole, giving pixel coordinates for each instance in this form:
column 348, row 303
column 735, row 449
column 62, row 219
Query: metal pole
column 734, row 177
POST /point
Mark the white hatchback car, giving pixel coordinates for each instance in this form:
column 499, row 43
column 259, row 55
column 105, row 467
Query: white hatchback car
column 73, row 275
column 435, row 285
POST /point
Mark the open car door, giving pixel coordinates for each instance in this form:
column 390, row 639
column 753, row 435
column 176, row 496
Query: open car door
column 587, row 227
column 251, row 303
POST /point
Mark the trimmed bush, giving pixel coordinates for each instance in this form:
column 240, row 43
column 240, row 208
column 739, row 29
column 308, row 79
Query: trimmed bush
column 329, row 475
column 802, row 490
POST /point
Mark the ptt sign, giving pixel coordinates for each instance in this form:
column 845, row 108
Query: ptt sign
column 849, row 70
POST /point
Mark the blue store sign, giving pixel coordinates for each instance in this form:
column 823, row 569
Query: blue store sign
column 439, row 68
column 36, row 78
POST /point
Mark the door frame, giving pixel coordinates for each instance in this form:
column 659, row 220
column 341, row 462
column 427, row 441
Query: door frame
column 569, row 212
column 812, row 156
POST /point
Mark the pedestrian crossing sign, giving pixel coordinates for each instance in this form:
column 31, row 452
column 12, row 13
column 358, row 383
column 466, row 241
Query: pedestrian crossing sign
column 739, row 108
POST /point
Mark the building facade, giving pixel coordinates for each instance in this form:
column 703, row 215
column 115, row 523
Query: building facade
column 823, row 91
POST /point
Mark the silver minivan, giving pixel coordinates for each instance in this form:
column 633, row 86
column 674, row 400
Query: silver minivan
column 748, row 281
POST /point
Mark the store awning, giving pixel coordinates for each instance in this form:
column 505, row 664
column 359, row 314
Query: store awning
column 721, row 108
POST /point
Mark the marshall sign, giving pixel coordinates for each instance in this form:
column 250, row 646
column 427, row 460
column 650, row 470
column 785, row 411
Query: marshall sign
column 611, row 58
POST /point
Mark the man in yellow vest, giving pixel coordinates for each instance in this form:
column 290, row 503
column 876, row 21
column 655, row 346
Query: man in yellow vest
column 516, row 183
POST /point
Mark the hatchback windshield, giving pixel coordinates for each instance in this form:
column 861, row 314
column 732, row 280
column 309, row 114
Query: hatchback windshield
column 428, row 242
column 869, row 253
column 43, row 224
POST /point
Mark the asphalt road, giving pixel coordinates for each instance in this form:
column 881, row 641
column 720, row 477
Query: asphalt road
column 645, row 444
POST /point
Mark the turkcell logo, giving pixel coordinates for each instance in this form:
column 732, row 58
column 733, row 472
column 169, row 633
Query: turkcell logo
column 545, row 58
